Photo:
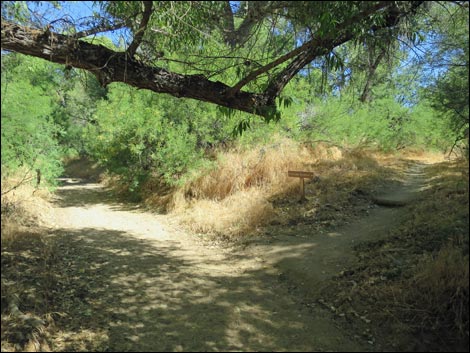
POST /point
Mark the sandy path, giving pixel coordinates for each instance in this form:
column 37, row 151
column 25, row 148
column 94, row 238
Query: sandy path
column 306, row 260
column 150, row 287
column 309, row 257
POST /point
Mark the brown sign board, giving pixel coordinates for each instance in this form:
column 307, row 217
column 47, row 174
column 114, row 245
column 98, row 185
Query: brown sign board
column 300, row 174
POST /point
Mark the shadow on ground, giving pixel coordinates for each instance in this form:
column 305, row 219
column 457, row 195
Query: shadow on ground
column 147, row 298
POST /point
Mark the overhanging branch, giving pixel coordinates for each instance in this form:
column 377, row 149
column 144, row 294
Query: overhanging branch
column 112, row 66
column 317, row 46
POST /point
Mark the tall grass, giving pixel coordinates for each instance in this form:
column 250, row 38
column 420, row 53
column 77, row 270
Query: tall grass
column 23, row 204
column 234, row 195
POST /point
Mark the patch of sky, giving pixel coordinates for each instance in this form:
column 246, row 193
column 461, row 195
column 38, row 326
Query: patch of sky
column 235, row 5
column 73, row 16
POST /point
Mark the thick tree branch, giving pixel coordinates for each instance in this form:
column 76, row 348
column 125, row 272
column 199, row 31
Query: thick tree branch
column 342, row 34
column 309, row 51
column 111, row 66
column 99, row 29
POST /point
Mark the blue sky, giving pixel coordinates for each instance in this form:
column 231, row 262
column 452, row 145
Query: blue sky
column 76, row 12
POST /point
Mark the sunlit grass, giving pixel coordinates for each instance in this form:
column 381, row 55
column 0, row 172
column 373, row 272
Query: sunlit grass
column 239, row 192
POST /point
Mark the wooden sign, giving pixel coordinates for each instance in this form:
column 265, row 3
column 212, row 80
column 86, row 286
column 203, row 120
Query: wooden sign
column 301, row 175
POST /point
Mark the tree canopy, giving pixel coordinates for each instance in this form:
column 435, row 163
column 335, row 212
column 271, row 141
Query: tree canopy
column 388, row 75
column 239, row 55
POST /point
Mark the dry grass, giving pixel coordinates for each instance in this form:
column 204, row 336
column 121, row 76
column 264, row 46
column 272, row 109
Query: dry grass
column 245, row 188
column 24, row 210
column 23, row 206
column 235, row 215
column 261, row 168
column 232, row 198
column 440, row 286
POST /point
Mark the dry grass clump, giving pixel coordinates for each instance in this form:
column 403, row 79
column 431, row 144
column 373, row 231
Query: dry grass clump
column 24, row 251
column 26, row 284
column 233, row 197
column 242, row 169
column 22, row 206
column 237, row 214
column 440, row 288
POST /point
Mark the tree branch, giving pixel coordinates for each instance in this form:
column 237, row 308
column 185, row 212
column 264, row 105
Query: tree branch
column 111, row 66
column 341, row 34
column 99, row 29
column 139, row 34
column 313, row 48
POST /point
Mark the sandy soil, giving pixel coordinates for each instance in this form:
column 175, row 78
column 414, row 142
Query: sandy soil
column 152, row 287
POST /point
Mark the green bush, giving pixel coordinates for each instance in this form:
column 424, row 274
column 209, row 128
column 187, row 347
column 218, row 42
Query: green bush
column 28, row 132
column 135, row 138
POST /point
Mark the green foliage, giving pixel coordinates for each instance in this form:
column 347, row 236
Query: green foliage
column 138, row 134
column 28, row 132
column 48, row 111
column 384, row 123
column 78, row 94
column 448, row 92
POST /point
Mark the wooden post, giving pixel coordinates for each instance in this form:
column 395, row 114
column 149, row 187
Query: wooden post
column 301, row 175
column 302, row 196
column 38, row 177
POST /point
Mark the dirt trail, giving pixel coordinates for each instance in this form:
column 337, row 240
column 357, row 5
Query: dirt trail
column 306, row 258
column 150, row 287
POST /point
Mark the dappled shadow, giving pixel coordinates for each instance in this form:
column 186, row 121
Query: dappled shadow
column 76, row 192
column 148, row 296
